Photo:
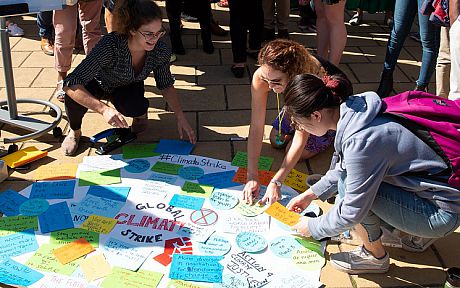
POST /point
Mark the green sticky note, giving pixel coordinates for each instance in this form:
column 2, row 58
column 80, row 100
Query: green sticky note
column 88, row 178
column 310, row 243
column 167, row 168
column 241, row 160
column 136, row 150
column 69, row 235
column 195, row 189
column 44, row 260
column 129, row 279
column 14, row 224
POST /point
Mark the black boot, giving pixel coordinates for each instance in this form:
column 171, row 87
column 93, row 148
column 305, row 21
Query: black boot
column 176, row 44
column 386, row 84
column 208, row 47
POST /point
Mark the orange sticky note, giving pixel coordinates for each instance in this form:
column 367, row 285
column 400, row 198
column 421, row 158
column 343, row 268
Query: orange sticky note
column 99, row 224
column 56, row 172
column 282, row 214
column 264, row 176
column 73, row 250
column 23, row 156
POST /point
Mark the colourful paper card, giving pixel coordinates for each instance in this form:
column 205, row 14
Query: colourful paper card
column 95, row 267
column 136, row 150
column 124, row 255
column 44, row 260
column 129, row 279
column 282, row 214
column 241, row 160
column 196, row 268
column 110, row 192
column 69, row 235
column 14, row 224
column 166, row 168
column 34, row 207
column 88, row 178
column 14, row 273
column 187, row 202
column 197, row 190
column 56, row 172
column 99, row 224
column 23, row 156
column 297, row 180
column 264, row 176
column 73, row 251
column 163, row 178
column 17, row 244
column 53, row 189
column 10, row 201
column 57, row 217
column 168, row 146
column 97, row 205
column 218, row 180
column 183, row 284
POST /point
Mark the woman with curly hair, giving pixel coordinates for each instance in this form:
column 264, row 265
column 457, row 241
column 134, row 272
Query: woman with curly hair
column 280, row 61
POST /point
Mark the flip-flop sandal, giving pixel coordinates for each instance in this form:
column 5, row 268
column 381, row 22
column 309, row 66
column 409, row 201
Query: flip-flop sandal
column 223, row 3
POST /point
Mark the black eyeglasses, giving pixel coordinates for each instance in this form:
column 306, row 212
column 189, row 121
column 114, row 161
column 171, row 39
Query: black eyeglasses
column 153, row 36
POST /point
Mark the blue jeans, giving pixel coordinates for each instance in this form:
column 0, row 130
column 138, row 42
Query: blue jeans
column 406, row 212
column 45, row 24
column 404, row 15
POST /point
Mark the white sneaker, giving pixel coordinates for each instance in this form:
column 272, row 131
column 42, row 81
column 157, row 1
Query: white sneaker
column 14, row 30
column 416, row 244
column 360, row 261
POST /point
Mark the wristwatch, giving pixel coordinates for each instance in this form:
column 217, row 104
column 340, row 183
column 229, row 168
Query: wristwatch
column 277, row 182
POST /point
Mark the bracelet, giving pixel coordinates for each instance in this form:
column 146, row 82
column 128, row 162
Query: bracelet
column 276, row 182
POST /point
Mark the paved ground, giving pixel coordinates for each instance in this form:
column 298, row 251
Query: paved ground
column 218, row 106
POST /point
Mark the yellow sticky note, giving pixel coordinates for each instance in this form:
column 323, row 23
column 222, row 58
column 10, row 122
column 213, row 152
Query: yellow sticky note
column 99, row 224
column 282, row 214
column 296, row 180
column 73, row 250
column 56, row 172
column 95, row 267
column 23, row 156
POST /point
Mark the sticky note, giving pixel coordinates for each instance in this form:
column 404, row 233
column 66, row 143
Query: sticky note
column 241, row 160
column 34, row 207
column 168, row 146
column 163, row 178
column 250, row 210
column 73, row 251
column 110, row 192
column 284, row 246
column 53, row 189
column 195, row 189
column 223, row 199
column 10, row 201
column 264, row 176
column 44, row 260
column 57, row 217
column 13, row 224
column 69, row 235
column 215, row 246
column 102, row 162
column 191, row 172
column 99, row 224
column 97, row 205
column 282, row 214
column 166, row 168
column 95, row 267
column 23, row 156
column 14, row 273
column 98, row 177
column 196, row 268
column 218, row 179
column 124, row 255
column 251, row 242
column 310, row 244
column 183, row 284
column 56, row 172
column 296, row 180
column 187, row 202
column 137, row 166
column 17, row 244
column 307, row 259
column 128, row 279
column 136, row 150
column 158, row 189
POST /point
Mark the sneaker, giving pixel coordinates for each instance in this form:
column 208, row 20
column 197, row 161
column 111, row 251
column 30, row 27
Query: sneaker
column 14, row 30
column 416, row 244
column 356, row 19
column 188, row 18
column 360, row 261
column 47, row 46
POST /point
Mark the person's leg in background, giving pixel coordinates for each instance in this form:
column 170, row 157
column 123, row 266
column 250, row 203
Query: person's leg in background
column 255, row 19
column 322, row 30
column 238, row 36
column 202, row 10
column 443, row 65
column 455, row 60
column 337, row 33
column 90, row 14
column 283, row 8
column 173, row 10
column 46, row 31
column 268, row 7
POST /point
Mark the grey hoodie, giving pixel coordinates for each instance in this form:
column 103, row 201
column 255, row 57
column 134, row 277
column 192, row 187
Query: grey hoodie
column 373, row 150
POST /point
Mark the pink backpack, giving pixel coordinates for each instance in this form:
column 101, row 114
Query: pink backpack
column 433, row 119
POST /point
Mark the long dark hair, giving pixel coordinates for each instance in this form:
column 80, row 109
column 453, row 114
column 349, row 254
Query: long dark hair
column 307, row 93
column 131, row 14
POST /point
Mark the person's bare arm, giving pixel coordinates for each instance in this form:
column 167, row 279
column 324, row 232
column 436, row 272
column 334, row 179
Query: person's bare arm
column 454, row 10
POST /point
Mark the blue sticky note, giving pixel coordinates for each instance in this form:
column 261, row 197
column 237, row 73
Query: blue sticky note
column 57, row 217
column 10, row 201
column 137, row 166
column 191, row 172
column 18, row 243
column 14, row 273
column 53, row 189
column 170, row 179
column 97, row 205
column 187, row 202
column 251, row 242
column 219, row 179
column 34, row 207
column 168, row 146
column 114, row 193
column 196, row 268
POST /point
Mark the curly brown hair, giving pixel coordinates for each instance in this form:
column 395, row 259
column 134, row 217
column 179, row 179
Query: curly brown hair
column 130, row 15
column 289, row 57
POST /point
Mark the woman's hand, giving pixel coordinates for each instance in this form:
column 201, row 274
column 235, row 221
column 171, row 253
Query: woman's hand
column 302, row 227
column 114, row 118
column 251, row 191
column 272, row 195
column 300, row 202
column 184, row 126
